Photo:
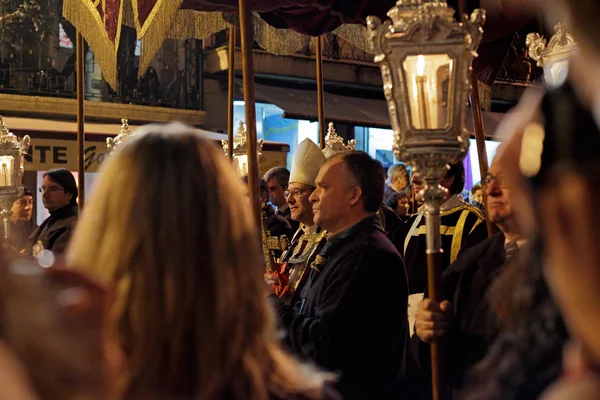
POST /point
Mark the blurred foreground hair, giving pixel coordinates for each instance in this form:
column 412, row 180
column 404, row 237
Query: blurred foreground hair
column 165, row 229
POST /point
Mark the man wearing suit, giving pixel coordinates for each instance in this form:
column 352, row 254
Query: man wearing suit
column 464, row 320
column 59, row 194
column 277, row 179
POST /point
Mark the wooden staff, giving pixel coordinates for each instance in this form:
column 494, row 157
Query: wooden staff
column 231, row 92
column 478, row 125
column 80, row 89
column 480, row 140
column 250, row 106
column 320, row 91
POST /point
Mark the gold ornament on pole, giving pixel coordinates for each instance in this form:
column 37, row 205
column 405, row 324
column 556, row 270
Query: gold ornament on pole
column 334, row 144
column 425, row 57
column 113, row 143
column 554, row 55
column 240, row 155
column 271, row 245
column 12, row 167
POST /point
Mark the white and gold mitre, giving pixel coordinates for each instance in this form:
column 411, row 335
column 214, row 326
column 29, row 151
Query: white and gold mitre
column 306, row 163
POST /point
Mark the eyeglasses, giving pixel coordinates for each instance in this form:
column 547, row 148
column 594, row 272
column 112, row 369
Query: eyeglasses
column 295, row 192
column 51, row 189
column 500, row 180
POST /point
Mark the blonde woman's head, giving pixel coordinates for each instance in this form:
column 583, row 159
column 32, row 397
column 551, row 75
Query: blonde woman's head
column 167, row 229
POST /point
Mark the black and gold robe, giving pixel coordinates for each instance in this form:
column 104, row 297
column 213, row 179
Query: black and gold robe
column 462, row 226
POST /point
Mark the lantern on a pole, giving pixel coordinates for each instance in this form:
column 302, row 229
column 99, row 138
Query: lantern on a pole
column 240, row 155
column 12, row 167
column 552, row 55
column 425, row 57
column 124, row 134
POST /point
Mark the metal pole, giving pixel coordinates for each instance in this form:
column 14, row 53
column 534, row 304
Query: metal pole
column 80, row 83
column 231, row 92
column 433, row 200
column 320, row 91
column 250, row 106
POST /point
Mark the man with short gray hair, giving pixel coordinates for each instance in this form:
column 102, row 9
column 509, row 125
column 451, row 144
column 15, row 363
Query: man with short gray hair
column 397, row 181
column 352, row 315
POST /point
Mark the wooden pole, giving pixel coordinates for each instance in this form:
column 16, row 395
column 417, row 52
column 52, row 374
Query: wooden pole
column 477, row 124
column 480, row 140
column 320, row 91
column 250, row 106
column 80, row 90
column 231, row 91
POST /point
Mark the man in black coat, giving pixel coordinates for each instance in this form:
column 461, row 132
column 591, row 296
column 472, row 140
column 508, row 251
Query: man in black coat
column 352, row 317
column 59, row 194
column 464, row 321
column 277, row 180
column 276, row 224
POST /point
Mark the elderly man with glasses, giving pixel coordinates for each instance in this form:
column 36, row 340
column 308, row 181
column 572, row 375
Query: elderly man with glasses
column 463, row 320
column 309, row 239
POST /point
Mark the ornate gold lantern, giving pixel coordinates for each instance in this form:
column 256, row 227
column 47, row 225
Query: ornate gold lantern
column 334, row 144
column 553, row 56
column 12, row 167
column 425, row 57
column 240, row 156
column 124, row 134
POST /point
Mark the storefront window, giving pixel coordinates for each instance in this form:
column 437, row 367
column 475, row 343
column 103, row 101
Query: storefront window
column 472, row 161
column 271, row 126
column 379, row 143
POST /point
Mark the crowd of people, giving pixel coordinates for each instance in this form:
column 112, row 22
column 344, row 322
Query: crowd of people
column 159, row 289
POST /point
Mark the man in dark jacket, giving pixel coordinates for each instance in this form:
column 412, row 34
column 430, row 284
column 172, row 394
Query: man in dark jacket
column 352, row 317
column 464, row 320
column 276, row 224
column 277, row 180
column 59, row 194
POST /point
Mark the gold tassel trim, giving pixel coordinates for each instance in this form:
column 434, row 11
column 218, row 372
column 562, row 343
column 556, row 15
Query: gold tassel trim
column 281, row 42
column 356, row 35
column 155, row 29
column 196, row 24
column 184, row 24
column 85, row 18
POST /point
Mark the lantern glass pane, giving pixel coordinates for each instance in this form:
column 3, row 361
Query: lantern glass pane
column 241, row 164
column 555, row 73
column 430, row 86
column 7, row 169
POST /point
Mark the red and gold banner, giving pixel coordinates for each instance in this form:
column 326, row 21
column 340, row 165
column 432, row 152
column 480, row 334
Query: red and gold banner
column 279, row 25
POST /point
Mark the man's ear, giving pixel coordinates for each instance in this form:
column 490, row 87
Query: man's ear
column 356, row 195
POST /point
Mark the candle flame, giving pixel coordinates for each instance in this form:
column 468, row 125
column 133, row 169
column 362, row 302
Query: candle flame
column 420, row 65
